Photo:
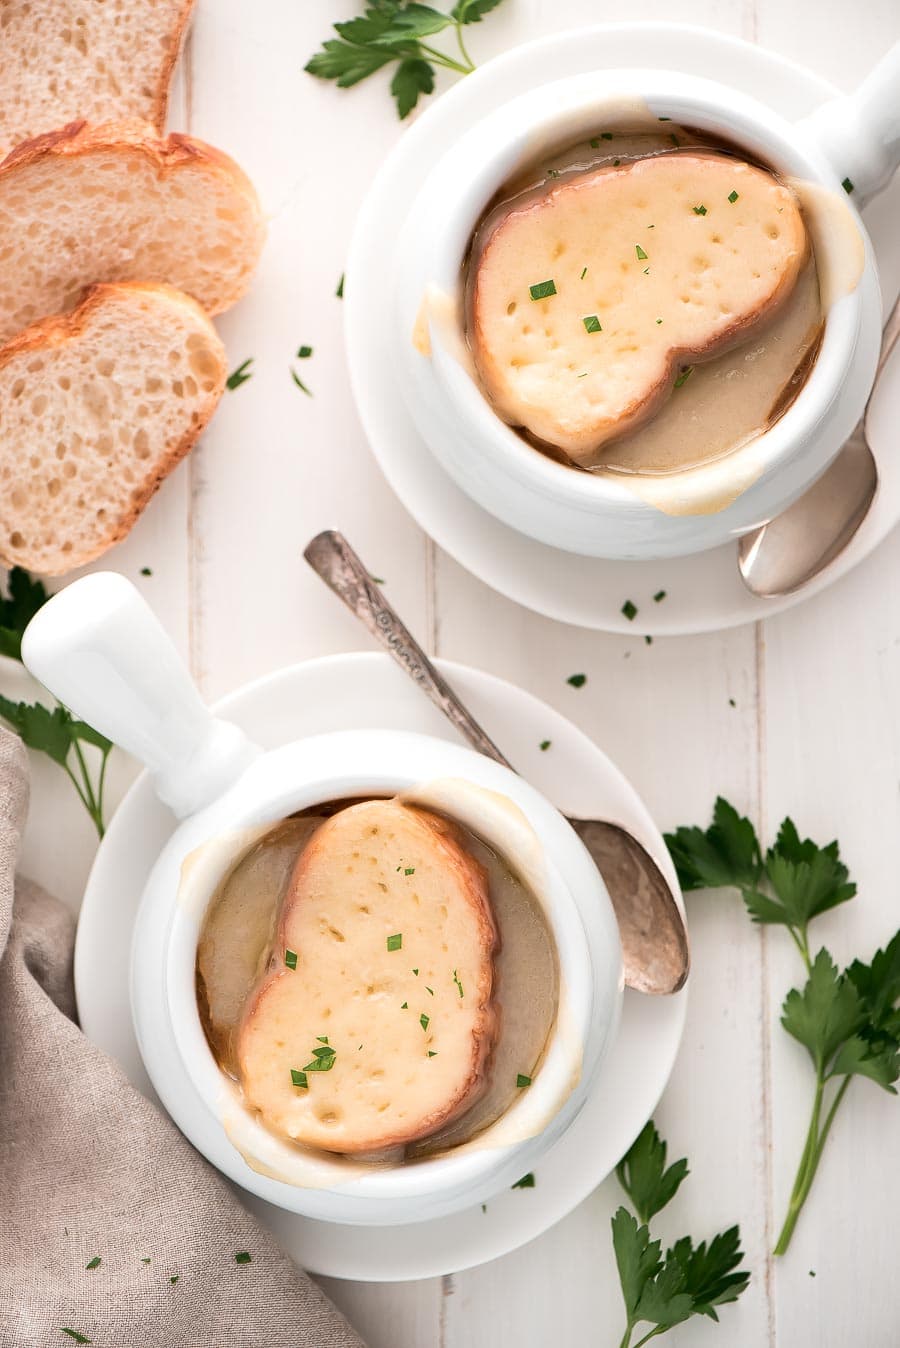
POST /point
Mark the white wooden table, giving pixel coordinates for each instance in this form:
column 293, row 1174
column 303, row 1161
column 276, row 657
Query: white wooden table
column 799, row 714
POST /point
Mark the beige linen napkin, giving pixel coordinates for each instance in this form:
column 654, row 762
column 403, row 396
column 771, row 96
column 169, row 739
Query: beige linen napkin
column 90, row 1169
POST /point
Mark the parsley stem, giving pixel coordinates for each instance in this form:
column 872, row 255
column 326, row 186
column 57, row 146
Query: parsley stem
column 441, row 59
column 816, row 1138
column 462, row 46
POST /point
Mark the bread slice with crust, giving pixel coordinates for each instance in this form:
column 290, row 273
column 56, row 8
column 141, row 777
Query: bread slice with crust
column 88, row 205
column 97, row 59
column 586, row 295
column 96, row 408
column 390, row 920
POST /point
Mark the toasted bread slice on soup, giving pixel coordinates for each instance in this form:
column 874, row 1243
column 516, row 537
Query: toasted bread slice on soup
column 116, row 203
column 585, row 296
column 392, row 995
column 62, row 59
column 96, row 408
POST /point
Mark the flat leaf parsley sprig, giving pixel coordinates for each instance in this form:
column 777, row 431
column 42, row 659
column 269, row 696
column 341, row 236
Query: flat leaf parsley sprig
column 54, row 732
column 689, row 1280
column 849, row 1023
column 393, row 32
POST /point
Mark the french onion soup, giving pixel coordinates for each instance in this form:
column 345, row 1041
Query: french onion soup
column 643, row 302
column 377, row 981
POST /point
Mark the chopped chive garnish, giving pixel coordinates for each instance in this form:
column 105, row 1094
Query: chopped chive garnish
column 322, row 1058
column 429, row 990
column 304, row 352
column 243, row 1257
column 583, row 375
column 594, row 143
column 630, row 610
column 522, row 1080
column 432, row 1053
column 659, row 320
column 240, row 375
column 673, row 138
column 404, row 1006
column 93, row 1263
column 526, row 1182
column 416, row 972
column 409, row 870
column 684, row 376
column 299, row 1079
column 583, row 274
column 732, row 197
column 457, row 982
column 73, row 1334
column 553, row 173
column 648, row 641
column 145, row 571
column 543, row 290
column 545, row 745
column 340, row 287
column 592, row 323
column 699, row 210
column 290, row 959
column 606, row 135
column 641, row 255
column 300, row 384
column 174, row 1278
column 146, row 1259
column 659, row 596
column 616, row 163
column 577, row 680
column 847, row 186
column 646, row 271
column 395, row 942
column 664, row 119
column 359, row 1050
column 424, row 1021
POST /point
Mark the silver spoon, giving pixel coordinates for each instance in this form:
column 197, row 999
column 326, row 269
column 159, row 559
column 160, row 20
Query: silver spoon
column 654, row 937
column 785, row 554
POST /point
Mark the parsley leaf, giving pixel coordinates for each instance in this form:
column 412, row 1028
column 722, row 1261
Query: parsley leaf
column 391, row 31
column 637, row 1257
column 473, row 11
column 412, row 78
column 826, row 1013
column 728, row 853
column 26, row 596
column 643, row 1175
column 690, row 1280
column 57, row 734
column 849, row 1023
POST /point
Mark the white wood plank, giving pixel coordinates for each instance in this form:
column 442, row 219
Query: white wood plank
column 278, row 466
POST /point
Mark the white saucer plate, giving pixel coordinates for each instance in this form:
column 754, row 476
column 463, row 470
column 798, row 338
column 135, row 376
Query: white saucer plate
column 361, row 691
column 704, row 591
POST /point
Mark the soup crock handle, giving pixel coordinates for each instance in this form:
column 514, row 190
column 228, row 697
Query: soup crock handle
column 860, row 134
column 100, row 649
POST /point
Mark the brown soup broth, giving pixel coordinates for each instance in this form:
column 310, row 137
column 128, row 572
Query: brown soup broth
column 236, row 939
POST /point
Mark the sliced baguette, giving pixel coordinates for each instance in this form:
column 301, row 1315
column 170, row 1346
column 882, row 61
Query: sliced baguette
column 96, row 408
column 662, row 261
column 62, row 59
column 88, row 205
column 390, row 918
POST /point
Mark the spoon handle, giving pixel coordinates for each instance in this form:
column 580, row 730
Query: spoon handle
column 331, row 557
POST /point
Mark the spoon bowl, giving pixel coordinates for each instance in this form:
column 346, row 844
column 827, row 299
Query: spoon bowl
column 790, row 550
